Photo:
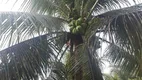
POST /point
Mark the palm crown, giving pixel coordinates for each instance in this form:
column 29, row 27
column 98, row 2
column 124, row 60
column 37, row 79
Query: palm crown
column 33, row 41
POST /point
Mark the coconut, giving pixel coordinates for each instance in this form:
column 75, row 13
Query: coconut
column 74, row 31
column 78, row 27
column 72, row 23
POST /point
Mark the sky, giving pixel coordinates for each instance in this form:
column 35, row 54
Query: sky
column 10, row 5
column 13, row 5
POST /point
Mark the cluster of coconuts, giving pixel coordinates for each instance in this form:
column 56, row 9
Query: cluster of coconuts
column 78, row 26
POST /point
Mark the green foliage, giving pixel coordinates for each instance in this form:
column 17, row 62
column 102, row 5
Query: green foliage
column 71, row 65
column 113, row 77
column 25, row 57
column 116, row 76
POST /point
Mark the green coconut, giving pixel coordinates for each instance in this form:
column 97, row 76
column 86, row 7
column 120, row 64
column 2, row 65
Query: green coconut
column 78, row 22
column 78, row 27
column 74, row 31
column 80, row 19
column 72, row 23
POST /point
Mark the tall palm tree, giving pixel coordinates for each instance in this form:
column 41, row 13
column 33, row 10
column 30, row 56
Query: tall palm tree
column 33, row 42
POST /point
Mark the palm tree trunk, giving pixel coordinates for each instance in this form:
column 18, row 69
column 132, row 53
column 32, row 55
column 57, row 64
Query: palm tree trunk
column 79, row 71
column 76, row 40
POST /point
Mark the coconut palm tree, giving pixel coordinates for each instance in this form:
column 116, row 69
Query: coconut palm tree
column 34, row 41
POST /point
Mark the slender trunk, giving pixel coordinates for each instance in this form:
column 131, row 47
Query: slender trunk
column 72, row 54
column 75, row 41
column 79, row 71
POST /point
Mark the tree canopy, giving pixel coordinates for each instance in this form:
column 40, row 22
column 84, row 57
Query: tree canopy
column 34, row 41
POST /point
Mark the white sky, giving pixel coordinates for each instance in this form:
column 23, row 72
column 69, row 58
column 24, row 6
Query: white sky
column 10, row 5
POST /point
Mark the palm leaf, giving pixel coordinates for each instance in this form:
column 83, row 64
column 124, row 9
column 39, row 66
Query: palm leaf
column 124, row 33
column 121, row 11
column 31, row 58
column 16, row 26
column 40, row 7
column 24, row 26
column 104, row 6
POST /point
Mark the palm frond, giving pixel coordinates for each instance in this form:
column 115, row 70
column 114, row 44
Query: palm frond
column 124, row 33
column 121, row 11
column 40, row 7
column 31, row 58
column 123, row 30
column 110, row 5
column 16, row 26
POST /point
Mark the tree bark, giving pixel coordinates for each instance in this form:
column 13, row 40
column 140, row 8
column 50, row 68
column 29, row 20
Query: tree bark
column 76, row 40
